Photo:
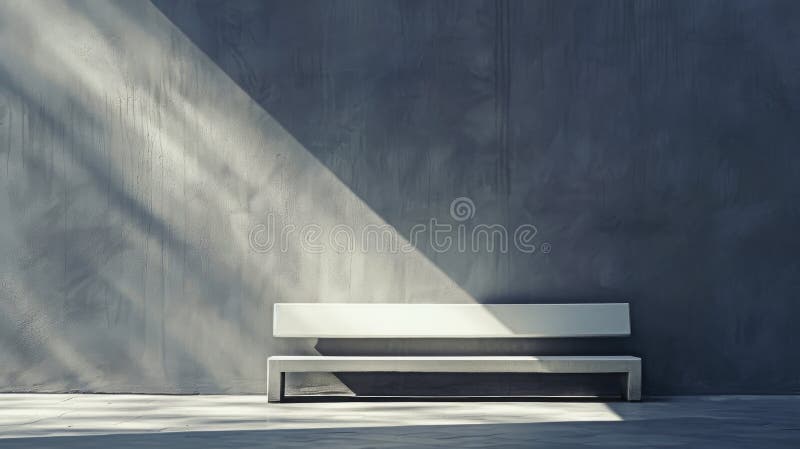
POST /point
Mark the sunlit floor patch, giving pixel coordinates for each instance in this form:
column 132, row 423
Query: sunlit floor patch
column 56, row 414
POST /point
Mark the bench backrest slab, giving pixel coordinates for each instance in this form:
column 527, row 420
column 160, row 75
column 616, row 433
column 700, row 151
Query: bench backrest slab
column 369, row 320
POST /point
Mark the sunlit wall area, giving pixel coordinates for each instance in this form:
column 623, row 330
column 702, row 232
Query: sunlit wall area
column 170, row 170
column 137, row 180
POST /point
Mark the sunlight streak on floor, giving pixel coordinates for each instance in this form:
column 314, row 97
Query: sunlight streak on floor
column 67, row 414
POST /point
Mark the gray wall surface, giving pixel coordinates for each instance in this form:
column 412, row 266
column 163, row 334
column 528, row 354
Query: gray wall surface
column 150, row 152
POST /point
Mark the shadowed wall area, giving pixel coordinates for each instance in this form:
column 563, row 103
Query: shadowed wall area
column 653, row 145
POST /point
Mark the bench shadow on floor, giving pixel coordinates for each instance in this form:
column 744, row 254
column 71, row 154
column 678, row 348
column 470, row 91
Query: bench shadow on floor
column 311, row 399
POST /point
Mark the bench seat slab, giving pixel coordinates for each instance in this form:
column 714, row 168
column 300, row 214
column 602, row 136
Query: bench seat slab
column 628, row 365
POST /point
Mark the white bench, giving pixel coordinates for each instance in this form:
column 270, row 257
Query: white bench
column 355, row 320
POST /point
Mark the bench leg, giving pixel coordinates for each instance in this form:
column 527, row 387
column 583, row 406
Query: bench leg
column 633, row 389
column 275, row 382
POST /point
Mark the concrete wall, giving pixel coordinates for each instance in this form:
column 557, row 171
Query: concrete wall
column 653, row 145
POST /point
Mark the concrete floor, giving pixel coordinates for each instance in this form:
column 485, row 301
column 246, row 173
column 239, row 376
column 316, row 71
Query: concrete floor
column 144, row 421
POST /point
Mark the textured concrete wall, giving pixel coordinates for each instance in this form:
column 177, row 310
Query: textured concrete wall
column 652, row 144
